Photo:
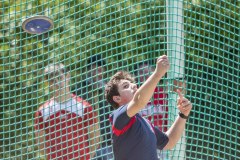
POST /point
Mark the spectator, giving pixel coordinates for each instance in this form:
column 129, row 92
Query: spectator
column 134, row 137
column 93, row 79
column 66, row 126
column 94, row 87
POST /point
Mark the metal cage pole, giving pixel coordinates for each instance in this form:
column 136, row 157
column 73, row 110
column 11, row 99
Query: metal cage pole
column 175, row 51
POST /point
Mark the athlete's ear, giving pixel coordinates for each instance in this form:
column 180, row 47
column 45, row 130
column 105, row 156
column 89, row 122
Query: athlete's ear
column 116, row 99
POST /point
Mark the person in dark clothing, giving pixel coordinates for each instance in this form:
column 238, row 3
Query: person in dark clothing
column 134, row 137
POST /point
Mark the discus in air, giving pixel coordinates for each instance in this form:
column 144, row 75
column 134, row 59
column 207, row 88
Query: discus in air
column 37, row 24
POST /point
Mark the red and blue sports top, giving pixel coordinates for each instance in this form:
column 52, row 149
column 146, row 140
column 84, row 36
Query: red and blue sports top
column 134, row 138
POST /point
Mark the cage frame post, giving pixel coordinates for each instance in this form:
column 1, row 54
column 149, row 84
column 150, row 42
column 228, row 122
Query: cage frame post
column 175, row 52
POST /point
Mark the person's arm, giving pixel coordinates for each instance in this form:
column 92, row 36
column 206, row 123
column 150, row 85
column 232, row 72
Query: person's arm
column 145, row 92
column 176, row 130
column 39, row 133
column 162, row 138
column 40, row 141
column 94, row 135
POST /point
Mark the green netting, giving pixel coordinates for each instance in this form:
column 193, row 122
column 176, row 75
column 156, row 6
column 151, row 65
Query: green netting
column 200, row 37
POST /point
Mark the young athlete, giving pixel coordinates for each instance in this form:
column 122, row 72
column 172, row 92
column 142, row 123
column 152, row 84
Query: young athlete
column 134, row 137
column 65, row 126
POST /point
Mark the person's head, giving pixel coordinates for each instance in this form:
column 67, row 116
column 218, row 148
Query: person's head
column 120, row 89
column 57, row 76
column 143, row 70
column 96, row 67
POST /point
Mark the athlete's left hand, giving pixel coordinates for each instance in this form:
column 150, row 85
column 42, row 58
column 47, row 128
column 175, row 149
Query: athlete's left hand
column 183, row 104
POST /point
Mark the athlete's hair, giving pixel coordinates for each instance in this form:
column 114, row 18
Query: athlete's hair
column 53, row 71
column 111, row 88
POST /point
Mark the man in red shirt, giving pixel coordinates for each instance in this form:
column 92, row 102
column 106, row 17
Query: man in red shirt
column 66, row 127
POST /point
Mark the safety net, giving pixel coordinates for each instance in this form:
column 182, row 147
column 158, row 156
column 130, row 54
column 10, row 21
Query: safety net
column 52, row 103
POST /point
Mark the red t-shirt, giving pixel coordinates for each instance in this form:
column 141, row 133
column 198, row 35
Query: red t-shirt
column 66, row 128
column 157, row 111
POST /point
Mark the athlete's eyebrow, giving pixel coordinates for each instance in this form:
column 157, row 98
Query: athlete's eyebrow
column 124, row 83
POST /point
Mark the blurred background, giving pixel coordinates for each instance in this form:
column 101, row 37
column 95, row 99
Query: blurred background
column 202, row 42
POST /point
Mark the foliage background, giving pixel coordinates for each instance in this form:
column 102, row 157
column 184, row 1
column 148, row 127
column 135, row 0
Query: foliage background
column 124, row 32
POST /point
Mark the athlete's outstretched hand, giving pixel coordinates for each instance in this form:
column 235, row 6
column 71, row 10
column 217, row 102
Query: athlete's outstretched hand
column 183, row 104
column 162, row 65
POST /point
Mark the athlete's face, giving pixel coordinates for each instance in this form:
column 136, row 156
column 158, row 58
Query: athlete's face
column 126, row 91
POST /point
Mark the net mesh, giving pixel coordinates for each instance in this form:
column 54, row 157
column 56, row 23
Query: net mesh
column 124, row 34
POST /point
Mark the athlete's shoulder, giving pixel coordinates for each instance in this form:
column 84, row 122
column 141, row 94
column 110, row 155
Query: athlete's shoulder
column 118, row 112
column 122, row 108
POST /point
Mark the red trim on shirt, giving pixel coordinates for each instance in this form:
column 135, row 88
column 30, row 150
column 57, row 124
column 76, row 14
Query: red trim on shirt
column 118, row 132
